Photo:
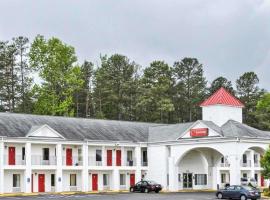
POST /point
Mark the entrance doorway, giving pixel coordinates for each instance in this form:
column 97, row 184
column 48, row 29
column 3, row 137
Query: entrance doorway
column 41, row 183
column 187, row 180
column 132, row 179
column 94, row 182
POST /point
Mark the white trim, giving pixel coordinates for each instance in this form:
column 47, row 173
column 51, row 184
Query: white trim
column 31, row 134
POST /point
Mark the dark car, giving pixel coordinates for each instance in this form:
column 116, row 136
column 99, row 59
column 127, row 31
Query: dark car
column 146, row 186
column 239, row 192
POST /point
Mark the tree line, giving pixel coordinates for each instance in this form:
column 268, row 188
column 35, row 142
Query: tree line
column 117, row 88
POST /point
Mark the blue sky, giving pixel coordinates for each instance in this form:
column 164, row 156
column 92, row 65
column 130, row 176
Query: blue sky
column 229, row 37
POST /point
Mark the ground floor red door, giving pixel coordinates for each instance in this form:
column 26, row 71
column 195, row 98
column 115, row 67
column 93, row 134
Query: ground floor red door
column 109, row 157
column 11, row 155
column 41, row 183
column 262, row 181
column 118, row 158
column 94, row 182
column 68, row 157
column 132, row 179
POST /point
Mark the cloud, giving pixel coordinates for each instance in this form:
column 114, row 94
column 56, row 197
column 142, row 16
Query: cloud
column 229, row 37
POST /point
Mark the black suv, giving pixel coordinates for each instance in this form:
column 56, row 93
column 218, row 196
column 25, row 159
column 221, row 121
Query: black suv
column 146, row 186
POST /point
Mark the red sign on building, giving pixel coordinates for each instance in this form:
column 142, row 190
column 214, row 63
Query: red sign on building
column 199, row 132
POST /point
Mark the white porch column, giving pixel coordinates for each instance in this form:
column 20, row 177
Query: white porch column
column 123, row 157
column 59, row 168
column 85, row 168
column 104, row 156
column 172, row 175
column 116, row 180
column 252, row 175
column 216, row 179
column 28, row 170
column 235, row 174
column 2, row 167
column 138, row 175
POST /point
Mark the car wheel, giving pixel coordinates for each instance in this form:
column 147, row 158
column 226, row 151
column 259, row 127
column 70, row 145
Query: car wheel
column 131, row 190
column 146, row 190
column 243, row 197
column 157, row 191
column 219, row 196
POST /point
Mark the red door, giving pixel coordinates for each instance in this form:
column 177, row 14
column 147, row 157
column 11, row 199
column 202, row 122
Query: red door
column 132, row 179
column 11, row 155
column 109, row 157
column 69, row 157
column 118, row 157
column 94, row 182
column 262, row 181
column 41, row 183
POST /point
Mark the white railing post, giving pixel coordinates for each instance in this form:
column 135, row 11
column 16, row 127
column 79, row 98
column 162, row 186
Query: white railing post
column 85, row 168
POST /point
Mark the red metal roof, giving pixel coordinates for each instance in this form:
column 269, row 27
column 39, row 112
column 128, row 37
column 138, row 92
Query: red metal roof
column 222, row 97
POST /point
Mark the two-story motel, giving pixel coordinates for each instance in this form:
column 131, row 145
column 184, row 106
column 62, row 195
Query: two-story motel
column 54, row 154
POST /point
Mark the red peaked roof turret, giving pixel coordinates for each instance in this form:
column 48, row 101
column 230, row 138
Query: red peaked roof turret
column 222, row 97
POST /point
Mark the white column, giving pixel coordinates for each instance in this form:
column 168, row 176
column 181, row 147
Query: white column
column 235, row 173
column 216, row 178
column 59, row 168
column 85, row 168
column 28, row 170
column 172, row 175
column 138, row 175
column 123, row 157
column 104, row 156
column 2, row 167
column 116, row 180
column 252, row 175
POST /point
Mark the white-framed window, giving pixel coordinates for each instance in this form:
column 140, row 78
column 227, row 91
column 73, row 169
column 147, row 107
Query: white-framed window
column 200, row 179
column 52, row 180
column 129, row 155
column 98, row 155
column 244, row 175
column 256, row 160
column 122, row 179
column 222, row 160
column 223, row 178
column 16, row 180
column 245, row 158
column 73, row 180
column 46, row 153
column 105, row 179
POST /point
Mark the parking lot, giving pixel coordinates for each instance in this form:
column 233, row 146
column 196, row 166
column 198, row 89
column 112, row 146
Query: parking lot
column 122, row 196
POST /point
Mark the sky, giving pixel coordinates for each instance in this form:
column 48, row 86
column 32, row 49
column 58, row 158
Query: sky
column 229, row 37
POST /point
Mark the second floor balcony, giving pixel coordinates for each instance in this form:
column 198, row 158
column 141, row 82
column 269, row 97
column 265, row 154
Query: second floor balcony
column 41, row 160
column 245, row 163
column 14, row 160
column 110, row 161
column 72, row 161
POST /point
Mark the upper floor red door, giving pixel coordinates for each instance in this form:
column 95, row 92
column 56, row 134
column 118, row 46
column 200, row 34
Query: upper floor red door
column 69, row 157
column 94, row 182
column 132, row 179
column 11, row 156
column 118, row 158
column 109, row 157
column 41, row 183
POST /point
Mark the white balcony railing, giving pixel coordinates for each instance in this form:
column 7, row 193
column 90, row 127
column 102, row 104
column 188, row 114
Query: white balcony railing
column 144, row 164
column 17, row 160
column 247, row 163
column 257, row 164
column 72, row 161
column 39, row 160
column 226, row 164
column 92, row 161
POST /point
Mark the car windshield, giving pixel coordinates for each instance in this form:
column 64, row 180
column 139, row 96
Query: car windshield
column 247, row 187
column 152, row 182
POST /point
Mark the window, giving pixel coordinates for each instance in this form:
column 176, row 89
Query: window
column 79, row 154
column 244, row 175
column 200, row 179
column 16, row 180
column 179, row 177
column 46, row 153
column 244, row 158
column 223, row 178
column 98, row 155
column 145, row 156
column 256, row 177
column 23, row 153
column 105, row 179
column 222, row 160
column 256, row 158
column 73, row 180
column 53, row 180
column 129, row 156
column 122, row 179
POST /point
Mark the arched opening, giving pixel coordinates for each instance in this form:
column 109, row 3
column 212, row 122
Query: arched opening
column 250, row 166
column 197, row 168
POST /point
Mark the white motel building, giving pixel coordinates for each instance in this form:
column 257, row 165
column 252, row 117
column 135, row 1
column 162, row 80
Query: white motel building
column 55, row 154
